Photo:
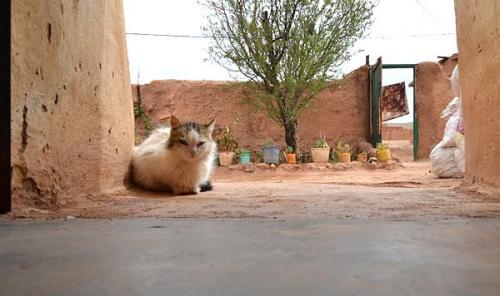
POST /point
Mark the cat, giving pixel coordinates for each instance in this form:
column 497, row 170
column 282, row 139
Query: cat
column 177, row 159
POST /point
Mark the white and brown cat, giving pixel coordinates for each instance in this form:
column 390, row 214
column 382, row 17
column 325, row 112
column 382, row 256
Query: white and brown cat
column 177, row 159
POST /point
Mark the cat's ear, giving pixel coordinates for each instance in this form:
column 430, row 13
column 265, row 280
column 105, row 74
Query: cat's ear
column 174, row 122
column 210, row 127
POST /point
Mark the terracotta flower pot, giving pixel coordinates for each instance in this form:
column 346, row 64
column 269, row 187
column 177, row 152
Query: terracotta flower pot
column 344, row 157
column 291, row 158
column 320, row 155
column 226, row 158
column 383, row 155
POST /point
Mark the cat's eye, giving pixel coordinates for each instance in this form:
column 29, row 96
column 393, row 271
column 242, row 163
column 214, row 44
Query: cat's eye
column 200, row 144
column 183, row 142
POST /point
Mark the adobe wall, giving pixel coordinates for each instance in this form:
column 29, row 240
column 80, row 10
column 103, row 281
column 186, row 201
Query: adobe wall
column 449, row 63
column 478, row 31
column 433, row 93
column 72, row 120
column 341, row 111
column 397, row 133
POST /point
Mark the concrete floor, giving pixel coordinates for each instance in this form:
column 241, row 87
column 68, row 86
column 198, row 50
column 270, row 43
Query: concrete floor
column 321, row 256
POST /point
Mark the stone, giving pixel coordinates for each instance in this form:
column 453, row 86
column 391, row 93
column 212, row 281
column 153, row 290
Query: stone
column 249, row 167
column 262, row 166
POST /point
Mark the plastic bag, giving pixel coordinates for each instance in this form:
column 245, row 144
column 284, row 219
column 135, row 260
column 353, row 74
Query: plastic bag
column 453, row 106
column 460, row 153
column 455, row 82
column 443, row 162
column 448, row 157
column 450, row 129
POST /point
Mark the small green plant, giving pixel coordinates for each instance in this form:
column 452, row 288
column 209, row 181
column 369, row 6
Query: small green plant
column 244, row 151
column 334, row 157
column 382, row 146
column 141, row 114
column 257, row 156
column 343, row 148
column 289, row 149
column 305, row 157
column 269, row 143
column 227, row 142
column 321, row 143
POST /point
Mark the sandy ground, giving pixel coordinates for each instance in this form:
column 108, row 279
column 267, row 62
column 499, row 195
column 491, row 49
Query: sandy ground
column 410, row 192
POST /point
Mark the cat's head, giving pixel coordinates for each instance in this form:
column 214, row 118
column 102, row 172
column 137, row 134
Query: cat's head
column 190, row 140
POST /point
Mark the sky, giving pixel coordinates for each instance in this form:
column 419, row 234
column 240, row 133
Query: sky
column 403, row 31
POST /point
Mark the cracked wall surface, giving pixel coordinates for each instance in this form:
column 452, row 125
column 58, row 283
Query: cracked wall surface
column 71, row 115
column 478, row 34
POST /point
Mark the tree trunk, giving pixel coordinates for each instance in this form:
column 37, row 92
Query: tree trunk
column 291, row 135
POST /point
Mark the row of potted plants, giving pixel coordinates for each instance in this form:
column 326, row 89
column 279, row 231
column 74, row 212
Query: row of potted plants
column 321, row 152
column 342, row 152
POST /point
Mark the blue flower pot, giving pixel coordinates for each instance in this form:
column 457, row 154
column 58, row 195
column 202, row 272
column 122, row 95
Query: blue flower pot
column 271, row 155
column 244, row 157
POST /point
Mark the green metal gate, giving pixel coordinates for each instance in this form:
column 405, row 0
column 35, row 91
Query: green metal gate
column 375, row 94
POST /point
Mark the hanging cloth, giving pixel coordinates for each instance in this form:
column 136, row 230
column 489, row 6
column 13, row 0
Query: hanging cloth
column 393, row 103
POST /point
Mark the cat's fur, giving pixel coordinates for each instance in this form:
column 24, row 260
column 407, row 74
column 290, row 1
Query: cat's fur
column 178, row 158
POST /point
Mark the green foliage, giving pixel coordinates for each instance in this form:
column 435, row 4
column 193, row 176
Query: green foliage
column 382, row 146
column 141, row 114
column 321, row 143
column 244, row 151
column 257, row 156
column 343, row 148
column 289, row 149
column 227, row 142
column 334, row 157
column 289, row 48
column 269, row 143
column 305, row 157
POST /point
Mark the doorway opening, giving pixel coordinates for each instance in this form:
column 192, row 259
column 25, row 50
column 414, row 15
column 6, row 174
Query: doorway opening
column 400, row 131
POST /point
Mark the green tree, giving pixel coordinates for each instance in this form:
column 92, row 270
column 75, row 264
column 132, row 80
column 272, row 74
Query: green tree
column 287, row 48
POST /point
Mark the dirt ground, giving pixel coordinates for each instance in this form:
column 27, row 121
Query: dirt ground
column 352, row 191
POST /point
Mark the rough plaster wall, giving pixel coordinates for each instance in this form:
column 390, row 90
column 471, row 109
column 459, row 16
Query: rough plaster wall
column 433, row 92
column 72, row 119
column 478, row 30
column 397, row 133
column 339, row 112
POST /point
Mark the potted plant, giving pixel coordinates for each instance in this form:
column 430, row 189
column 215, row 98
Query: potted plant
column 362, row 156
column 343, row 152
column 257, row 156
column 320, row 151
column 227, row 144
column 271, row 152
column 290, row 156
column 383, row 152
column 244, row 155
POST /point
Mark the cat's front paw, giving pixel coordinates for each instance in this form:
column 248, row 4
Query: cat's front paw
column 186, row 190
